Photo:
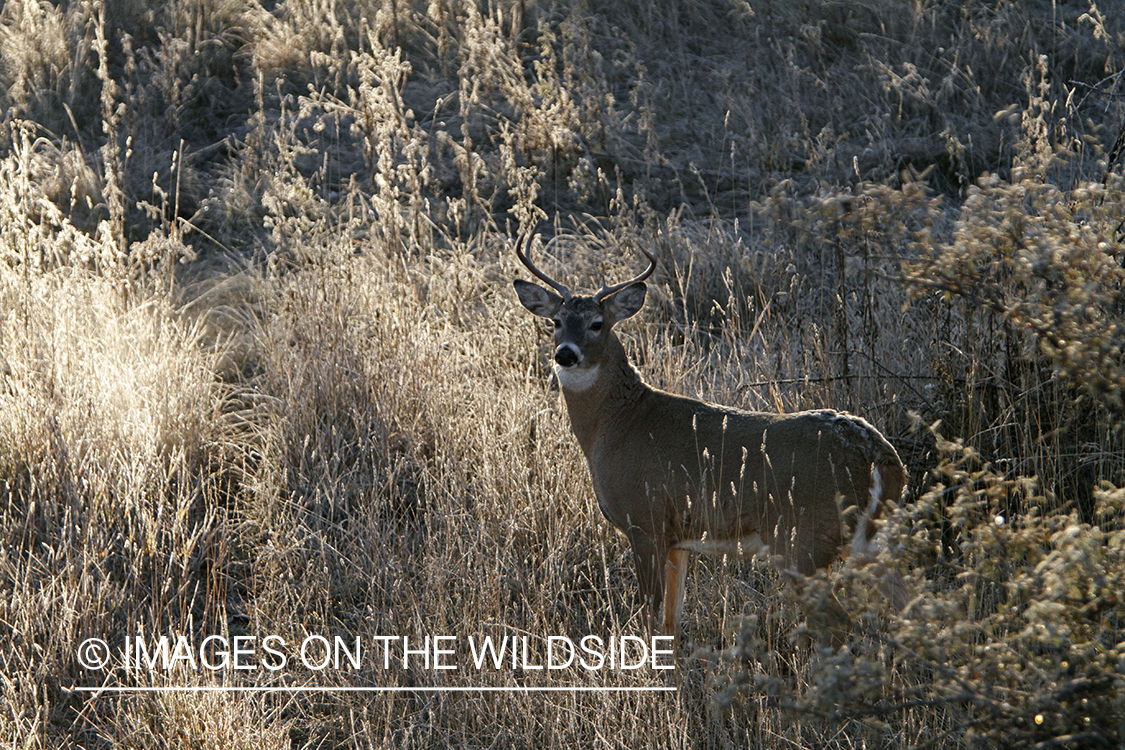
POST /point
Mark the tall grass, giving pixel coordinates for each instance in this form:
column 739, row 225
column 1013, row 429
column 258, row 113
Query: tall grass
column 262, row 373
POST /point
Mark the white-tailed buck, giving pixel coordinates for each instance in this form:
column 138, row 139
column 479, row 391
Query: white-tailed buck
column 677, row 475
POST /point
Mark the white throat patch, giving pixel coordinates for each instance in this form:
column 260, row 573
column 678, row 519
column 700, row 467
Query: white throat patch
column 577, row 378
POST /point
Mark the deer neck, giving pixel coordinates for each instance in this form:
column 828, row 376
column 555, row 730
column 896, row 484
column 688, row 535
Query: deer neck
column 596, row 401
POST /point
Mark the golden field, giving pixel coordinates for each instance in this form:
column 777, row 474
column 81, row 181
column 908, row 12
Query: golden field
column 262, row 371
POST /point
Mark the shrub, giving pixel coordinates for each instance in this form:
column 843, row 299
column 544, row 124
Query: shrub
column 1014, row 638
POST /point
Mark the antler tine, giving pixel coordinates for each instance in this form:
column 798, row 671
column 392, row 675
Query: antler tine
column 526, row 260
column 608, row 290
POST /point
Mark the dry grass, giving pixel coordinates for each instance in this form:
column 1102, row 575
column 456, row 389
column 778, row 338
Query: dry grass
column 263, row 372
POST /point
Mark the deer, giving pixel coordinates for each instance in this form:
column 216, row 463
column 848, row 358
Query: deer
column 678, row 475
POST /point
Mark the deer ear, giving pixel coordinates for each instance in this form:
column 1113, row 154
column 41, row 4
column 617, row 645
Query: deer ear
column 537, row 299
column 627, row 302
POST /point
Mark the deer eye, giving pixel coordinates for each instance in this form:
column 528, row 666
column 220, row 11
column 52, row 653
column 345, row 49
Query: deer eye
column 557, row 323
column 596, row 326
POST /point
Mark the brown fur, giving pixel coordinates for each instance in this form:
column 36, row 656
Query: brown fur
column 675, row 474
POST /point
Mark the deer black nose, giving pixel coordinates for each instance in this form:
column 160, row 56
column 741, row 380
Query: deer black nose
column 566, row 356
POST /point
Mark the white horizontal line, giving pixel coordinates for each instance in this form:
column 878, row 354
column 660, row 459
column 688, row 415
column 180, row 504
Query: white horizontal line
column 388, row 689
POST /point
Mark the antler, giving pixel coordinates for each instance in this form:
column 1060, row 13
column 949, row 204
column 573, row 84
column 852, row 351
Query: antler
column 523, row 256
column 608, row 290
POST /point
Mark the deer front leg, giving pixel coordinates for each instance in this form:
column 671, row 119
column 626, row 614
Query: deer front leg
column 651, row 558
column 675, row 574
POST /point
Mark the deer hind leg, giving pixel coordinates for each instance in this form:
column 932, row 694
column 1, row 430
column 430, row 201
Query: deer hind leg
column 675, row 575
column 887, row 482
